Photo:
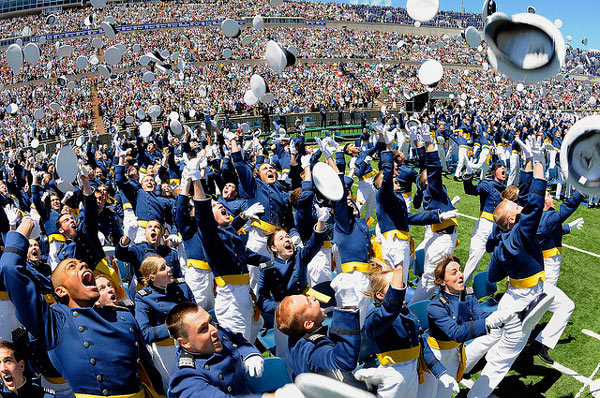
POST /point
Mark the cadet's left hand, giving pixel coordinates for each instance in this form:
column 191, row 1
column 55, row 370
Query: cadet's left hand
column 322, row 213
column 577, row 224
column 254, row 365
column 254, row 210
column 448, row 215
column 174, row 239
column 449, row 381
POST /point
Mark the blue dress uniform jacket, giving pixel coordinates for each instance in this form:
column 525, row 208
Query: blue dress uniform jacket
column 224, row 249
column 147, row 205
column 86, row 246
column 219, row 375
column 518, row 253
column 393, row 327
column 188, row 229
column 77, row 338
column 435, row 196
column 27, row 390
column 488, row 190
column 453, row 319
column 351, row 234
column 363, row 167
column 134, row 254
column 304, row 217
column 281, row 278
column 152, row 304
column 48, row 216
column 407, row 176
column 234, row 207
column 391, row 210
column 272, row 196
column 322, row 350
column 550, row 231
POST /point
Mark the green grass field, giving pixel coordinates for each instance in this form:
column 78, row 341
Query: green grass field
column 579, row 279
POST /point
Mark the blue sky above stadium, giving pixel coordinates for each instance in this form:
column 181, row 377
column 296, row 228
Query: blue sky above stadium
column 580, row 17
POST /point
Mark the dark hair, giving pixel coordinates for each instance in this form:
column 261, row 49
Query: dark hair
column 271, row 237
column 174, row 320
column 440, row 269
column 346, row 148
column 295, row 196
column 8, row 345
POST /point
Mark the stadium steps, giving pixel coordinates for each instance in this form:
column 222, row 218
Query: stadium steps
column 98, row 121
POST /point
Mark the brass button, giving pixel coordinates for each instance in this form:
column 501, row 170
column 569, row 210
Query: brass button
column 81, row 329
column 207, row 367
column 99, row 378
column 86, row 344
column 93, row 361
column 221, row 377
column 75, row 313
column 105, row 392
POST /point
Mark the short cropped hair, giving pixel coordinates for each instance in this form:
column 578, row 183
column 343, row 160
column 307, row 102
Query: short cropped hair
column 287, row 320
column 174, row 320
column 500, row 216
column 8, row 345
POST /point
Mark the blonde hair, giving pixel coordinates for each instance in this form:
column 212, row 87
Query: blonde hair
column 149, row 267
column 379, row 271
column 501, row 215
column 511, row 193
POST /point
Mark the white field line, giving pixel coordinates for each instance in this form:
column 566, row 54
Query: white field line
column 569, row 372
column 567, row 246
column 590, row 333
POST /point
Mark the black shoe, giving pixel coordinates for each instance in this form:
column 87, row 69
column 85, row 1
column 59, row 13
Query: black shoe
column 541, row 351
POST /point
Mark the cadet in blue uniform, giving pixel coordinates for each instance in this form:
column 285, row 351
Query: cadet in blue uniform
column 211, row 360
column 398, row 338
column 311, row 346
column 14, row 383
column 152, row 303
column 517, row 255
column 454, row 317
column 489, row 191
column 89, row 367
column 549, row 234
column 443, row 237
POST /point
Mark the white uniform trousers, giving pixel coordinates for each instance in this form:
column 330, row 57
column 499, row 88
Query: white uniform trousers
column 163, row 358
column 234, row 309
column 8, row 320
column 366, row 197
column 319, row 268
column 501, row 347
column 442, row 154
column 361, row 283
column 431, row 387
column 403, row 382
column 438, row 246
column 257, row 242
column 408, row 201
column 462, row 162
column 396, row 251
column 201, row 283
column 562, row 307
column 426, row 237
column 515, row 166
column 482, row 231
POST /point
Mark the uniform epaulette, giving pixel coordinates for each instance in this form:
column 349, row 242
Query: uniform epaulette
column 145, row 291
column 315, row 338
column 469, row 290
column 49, row 391
column 186, row 360
column 180, row 280
column 266, row 264
column 443, row 299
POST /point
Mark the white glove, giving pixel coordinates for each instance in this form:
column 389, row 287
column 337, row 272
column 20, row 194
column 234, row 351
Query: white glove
column 449, row 381
column 448, row 215
column 537, row 151
column 289, row 391
column 229, row 136
column 254, row 210
column 498, row 319
column 191, row 170
column 345, row 293
column 525, row 147
column 292, row 148
column 305, row 161
column 374, row 376
column 577, row 224
column 68, row 194
column 455, row 200
column 101, row 238
column 332, row 142
column 296, row 240
column 254, row 365
column 326, row 152
column 322, row 213
column 174, row 240
column 412, row 133
column 320, row 143
column 12, row 213
column 130, row 229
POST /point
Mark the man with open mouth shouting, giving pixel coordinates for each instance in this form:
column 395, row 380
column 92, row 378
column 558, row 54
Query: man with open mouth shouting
column 12, row 368
column 115, row 371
